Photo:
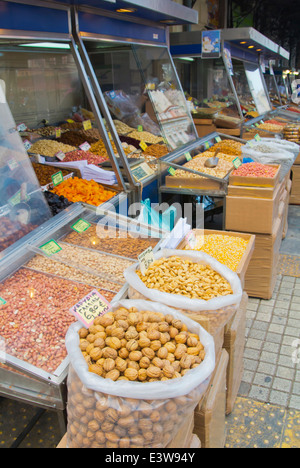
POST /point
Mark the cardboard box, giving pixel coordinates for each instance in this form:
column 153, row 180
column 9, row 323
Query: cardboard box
column 297, row 162
column 264, row 182
column 199, row 183
column 295, row 193
column 184, row 435
column 261, row 275
column 234, row 343
column 210, row 421
column 250, row 192
column 252, row 215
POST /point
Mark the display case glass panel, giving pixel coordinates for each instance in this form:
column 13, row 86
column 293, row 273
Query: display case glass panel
column 250, row 88
column 22, row 204
column 207, row 87
column 143, row 93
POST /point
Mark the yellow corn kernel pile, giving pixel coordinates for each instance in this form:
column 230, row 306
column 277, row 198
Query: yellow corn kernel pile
column 228, row 250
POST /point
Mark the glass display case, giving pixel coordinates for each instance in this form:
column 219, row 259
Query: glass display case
column 61, row 262
column 208, row 90
column 22, row 204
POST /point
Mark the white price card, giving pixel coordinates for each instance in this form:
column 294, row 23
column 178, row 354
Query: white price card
column 146, row 259
column 191, row 240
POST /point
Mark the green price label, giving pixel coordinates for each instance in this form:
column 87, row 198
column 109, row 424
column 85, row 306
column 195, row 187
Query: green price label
column 81, row 226
column 207, row 145
column 237, row 163
column 257, row 138
column 140, row 128
column 257, row 125
column 218, row 139
column 171, row 170
column 2, row 301
column 188, row 156
column 57, row 178
column 51, row 248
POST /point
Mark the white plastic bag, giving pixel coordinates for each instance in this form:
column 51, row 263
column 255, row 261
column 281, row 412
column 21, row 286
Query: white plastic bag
column 124, row 414
column 269, row 153
column 285, row 145
column 217, row 312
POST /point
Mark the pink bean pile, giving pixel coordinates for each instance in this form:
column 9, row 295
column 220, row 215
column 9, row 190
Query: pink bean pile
column 36, row 317
column 79, row 155
column 255, row 169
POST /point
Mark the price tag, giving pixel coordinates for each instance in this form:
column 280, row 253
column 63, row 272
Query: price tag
column 191, row 240
column 171, row 170
column 18, row 198
column 90, row 307
column 140, row 128
column 218, row 139
column 207, row 145
column 12, row 164
column 237, row 163
column 22, row 127
column 85, row 146
column 60, row 155
column 81, row 226
column 143, row 145
column 87, row 125
column 112, row 95
column 70, row 121
column 146, row 259
column 51, row 248
column 27, row 145
column 257, row 138
column 2, row 301
column 57, row 178
column 188, row 156
column 57, row 132
column 257, row 125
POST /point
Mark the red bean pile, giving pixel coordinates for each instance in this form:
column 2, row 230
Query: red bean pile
column 255, row 169
column 79, row 155
column 36, row 317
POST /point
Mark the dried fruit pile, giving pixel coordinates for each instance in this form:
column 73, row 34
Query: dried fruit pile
column 84, row 191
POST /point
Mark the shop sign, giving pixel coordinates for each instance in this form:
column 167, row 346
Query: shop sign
column 211, row 44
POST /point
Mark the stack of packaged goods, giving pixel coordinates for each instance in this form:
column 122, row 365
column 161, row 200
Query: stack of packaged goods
column 256, row 203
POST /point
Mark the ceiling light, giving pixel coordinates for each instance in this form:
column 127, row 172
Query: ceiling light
column 243, row 42
column 251, row 47
column 47, row 45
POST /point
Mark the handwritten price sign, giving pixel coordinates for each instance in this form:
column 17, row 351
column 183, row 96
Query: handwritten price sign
column 90, row 307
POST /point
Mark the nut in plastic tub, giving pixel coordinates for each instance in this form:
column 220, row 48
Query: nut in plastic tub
column 213, row 312
column 103, row 413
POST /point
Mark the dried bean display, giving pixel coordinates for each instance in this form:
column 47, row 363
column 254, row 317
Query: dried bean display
column 46, row 131
column 50, row 148
column 255, row 169
column 106, row 266
column 230, row 147
column 198, row 164
column 176, row 275
column 228, row 250
column 147, row 137
column 85, row 191
column 112, row 241
column 222, row 156
column 12, row 231
column 51, row 267
column 36, row 316
column 80, row 155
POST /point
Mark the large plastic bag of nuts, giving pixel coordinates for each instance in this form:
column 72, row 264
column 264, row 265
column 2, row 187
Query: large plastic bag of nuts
column 131, row 412
column 213, row 313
